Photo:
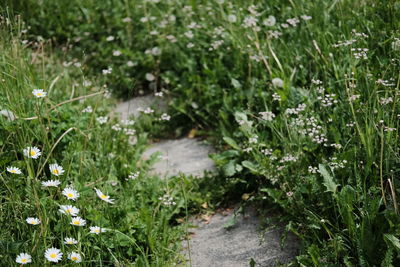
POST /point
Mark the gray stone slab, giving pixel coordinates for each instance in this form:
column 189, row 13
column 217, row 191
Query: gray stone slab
column 214, row 245
column 186, row 155
column 131, row 107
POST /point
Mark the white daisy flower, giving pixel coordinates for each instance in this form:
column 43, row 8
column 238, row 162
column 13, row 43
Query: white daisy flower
column 75, row 257
column 39, row 93
column 32, row 152
column 33, row 221
column 103, row 196
column 53, row 254
column 56, row 169
column 49, row 183
column 97, row 230
column 68, row 209
column 14, row 170
column 78, row 221
column 23, row 258
column 70, row 193
column 70, row 241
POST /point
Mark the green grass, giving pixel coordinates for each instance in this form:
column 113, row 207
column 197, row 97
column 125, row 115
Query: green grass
column 327, row 157
column 139, row 226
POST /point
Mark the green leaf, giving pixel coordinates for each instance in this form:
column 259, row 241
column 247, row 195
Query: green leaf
column 230, row 168
column 231, row 142
column 235, row 83
column 330, row 185
column 250, row 165
column 393, row 240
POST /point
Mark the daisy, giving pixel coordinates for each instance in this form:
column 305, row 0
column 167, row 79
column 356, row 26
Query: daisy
column 75, row 257
column 97, row 230
column 70, row 193
column 33, row 221
column 104, row 197
column 32, row 152
column 49, row 183
column 56, row 169
column 68, row 209
column 78, row 221
column 53, row 254
column 23, row 258
column 39, row 93
column 70, row 241
column 14, row 170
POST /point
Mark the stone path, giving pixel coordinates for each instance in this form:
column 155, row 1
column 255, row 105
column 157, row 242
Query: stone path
column 212, row 244
column 187, row 156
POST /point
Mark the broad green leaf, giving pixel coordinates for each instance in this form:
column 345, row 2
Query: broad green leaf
column 250, row 165
column 231, row 142
column 330, row 185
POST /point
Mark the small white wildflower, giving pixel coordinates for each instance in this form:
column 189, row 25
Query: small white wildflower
column 270, row 21
column 97, row 230
column 110, row 38
column 165, row 117
column 117, row 53
column 70, row 241
column 23, row 258
column 104, row 197
column 70, row 193
column 126, row 20
column 33, row 221
column 51, row 183
column 101, row 120
column 88, row 109
column 232, row 18
column 68, row 209
column 131, row 63
column 267, row 115
column 56, row 169
column 78, row 221
column 53, row 254
column 32, row 152
column 75, row 257
column 39, row 93
column 14, row 170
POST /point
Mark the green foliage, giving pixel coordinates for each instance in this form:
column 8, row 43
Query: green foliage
column 321, row 141
column 141, row 225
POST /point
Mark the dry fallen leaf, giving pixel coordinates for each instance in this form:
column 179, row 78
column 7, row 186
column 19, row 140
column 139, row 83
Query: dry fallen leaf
column 204, row 205
column 206, row 218
column 192, row 133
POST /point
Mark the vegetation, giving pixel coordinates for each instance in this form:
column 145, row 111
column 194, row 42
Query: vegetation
column 301, row 98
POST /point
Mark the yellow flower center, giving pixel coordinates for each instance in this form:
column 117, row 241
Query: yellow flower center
column 53, row 255
column 55, row 171
column 103, row 196
column 97, row 230
column 69, row 242
column 13, row 171
column 70, row 195
column 69, row 210
column 32, row 153
column 24, row 260
column 74, row 258
column 76, row 222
